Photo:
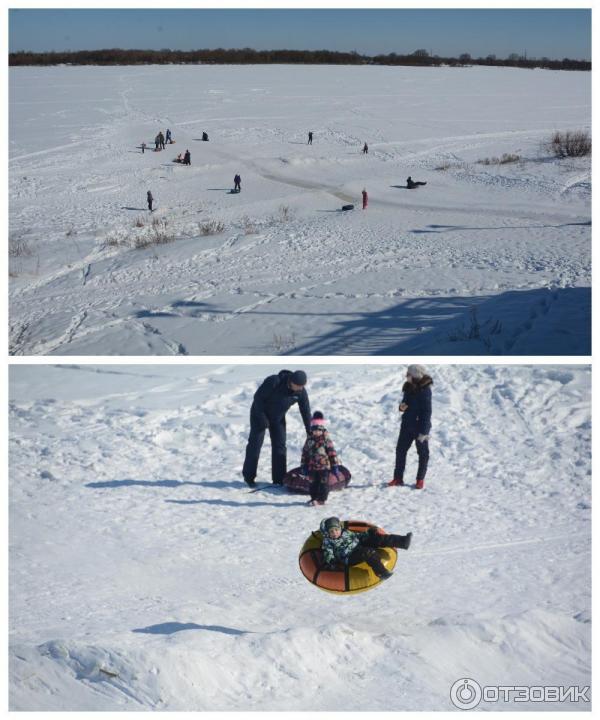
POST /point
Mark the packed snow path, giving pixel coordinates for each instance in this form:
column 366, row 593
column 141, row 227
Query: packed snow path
column 486, row 258
column 145, row 576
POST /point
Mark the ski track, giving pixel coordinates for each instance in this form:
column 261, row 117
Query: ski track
column 142, row 573
column 477, row 231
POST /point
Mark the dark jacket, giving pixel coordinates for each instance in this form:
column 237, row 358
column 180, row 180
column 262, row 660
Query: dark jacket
column 417, row 396
column 274, row 398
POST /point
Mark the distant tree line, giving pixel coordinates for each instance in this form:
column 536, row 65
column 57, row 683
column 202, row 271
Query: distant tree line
column 248, row 56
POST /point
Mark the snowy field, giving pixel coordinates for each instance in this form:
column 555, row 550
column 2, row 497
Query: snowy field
column 487, row 258
column 145, row 576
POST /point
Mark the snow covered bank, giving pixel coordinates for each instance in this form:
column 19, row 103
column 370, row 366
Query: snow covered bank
column 290, row 272
column 143, row 575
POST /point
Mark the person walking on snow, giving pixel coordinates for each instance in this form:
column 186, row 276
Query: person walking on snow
column 271, row 402
column 309, row 138
column 365, row 198
column 345, row 547
column 237, row 184
column 143, row 147
column 157, row 143
column 161, row 140
column 416, row 423
column 150, row 200
column 168, row 137
column 319, row 459
column 365, row 149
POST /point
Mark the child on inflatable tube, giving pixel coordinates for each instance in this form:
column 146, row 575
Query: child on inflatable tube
column 350, row 548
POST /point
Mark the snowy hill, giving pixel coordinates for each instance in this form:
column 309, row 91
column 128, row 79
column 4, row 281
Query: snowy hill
column 488, row 258
column 144, row 575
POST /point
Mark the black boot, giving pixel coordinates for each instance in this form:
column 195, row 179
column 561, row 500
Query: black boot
column 401, row 541
column 385, row 575
column 250, row 483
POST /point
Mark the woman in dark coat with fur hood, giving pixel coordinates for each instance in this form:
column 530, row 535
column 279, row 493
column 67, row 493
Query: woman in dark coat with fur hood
column 416, row 423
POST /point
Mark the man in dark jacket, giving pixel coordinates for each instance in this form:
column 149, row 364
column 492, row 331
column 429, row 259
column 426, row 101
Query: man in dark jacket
column 416, row 423
column 271, row 402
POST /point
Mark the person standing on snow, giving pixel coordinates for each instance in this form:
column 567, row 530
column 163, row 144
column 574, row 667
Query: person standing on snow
column 416, row 423
column 272, row 400
column 365, row 198
column 168, row 137
column 237, row 184
column 187, row 158
column 319, row 459
column 365, row 149
column 161, row 140
column 309, row 138
column 150, row 200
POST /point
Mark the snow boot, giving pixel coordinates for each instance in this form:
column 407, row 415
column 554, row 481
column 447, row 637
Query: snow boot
column 385, row 575
column 420, row 484
column 395, row 482
column 401, row 541
column 250, row 483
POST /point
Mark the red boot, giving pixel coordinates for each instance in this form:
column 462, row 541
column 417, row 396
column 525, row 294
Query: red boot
column 419, row 485
column 395, row 481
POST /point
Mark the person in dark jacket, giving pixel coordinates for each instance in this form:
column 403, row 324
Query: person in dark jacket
column 150, row 200
column 168, row 137
column 161, row 140
column 237, row 183
column 271, row 402
column 416, row 423
column 365, row 149
column 365, row 198
column 187, row 158
column 412, row 184
column 205, row 136
column 310, row 138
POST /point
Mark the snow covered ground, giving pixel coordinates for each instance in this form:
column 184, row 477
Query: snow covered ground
column 144, row 575
column 486, row 259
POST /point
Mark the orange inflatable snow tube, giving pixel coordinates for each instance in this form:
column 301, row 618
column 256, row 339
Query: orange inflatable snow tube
column 349, row 579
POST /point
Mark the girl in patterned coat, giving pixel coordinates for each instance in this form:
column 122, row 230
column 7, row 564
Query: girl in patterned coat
column 319, row 459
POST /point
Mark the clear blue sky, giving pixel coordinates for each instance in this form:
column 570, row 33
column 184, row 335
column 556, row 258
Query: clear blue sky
column 544, row 32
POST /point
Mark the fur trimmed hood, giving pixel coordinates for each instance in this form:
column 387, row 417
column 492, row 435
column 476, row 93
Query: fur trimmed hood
column 414, row 387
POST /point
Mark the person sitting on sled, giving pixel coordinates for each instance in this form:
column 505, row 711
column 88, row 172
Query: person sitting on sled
column 318, row 459
column 345, row 547
column 412, row 184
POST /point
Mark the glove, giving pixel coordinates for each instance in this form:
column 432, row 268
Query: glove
column 304, row 469
column 422, row 438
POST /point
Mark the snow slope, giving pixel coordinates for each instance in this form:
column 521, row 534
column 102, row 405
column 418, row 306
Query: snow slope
column 144, row 575
column 485, row 259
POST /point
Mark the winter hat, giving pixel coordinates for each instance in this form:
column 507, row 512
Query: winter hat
column 416, row 371
column 299, row 377
column 332, row 522
column 317, row 418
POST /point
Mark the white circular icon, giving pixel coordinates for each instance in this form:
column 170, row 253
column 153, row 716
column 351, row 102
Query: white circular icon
column 465, row 694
